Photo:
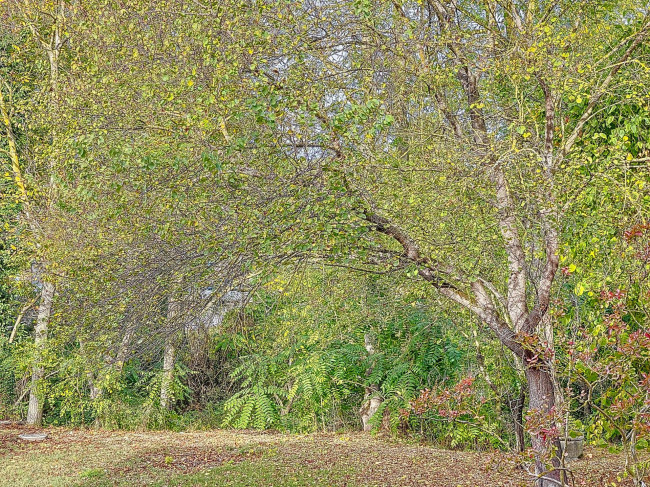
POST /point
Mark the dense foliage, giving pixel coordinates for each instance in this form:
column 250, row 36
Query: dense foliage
column 427, row 218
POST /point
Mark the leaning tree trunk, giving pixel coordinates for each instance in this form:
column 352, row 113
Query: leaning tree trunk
column 541, row 390
column 113, row 365
column 35, row 410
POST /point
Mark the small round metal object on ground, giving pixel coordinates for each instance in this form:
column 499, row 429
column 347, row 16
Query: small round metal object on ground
column 33, row 436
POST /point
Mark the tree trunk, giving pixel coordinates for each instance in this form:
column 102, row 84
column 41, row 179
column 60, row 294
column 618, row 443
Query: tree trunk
column 517, row 410
column 169, row 361
column 95, row 392
column 549, row 337
column 53, row 49
column 35, row 410
column 371, row 400
column 169, row 355
column 371, row 404
column 541, row 392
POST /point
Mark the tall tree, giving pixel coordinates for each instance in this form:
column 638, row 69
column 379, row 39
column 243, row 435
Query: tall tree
column 453, row 129
column 47, row 25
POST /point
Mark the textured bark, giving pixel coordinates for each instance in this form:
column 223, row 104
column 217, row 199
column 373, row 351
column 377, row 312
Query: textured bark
column 371, row 400
column 547, row 330
column 169, row 361
column 517, row 409
column 542, row 398
column 169, row 356
column 372, row 403
column 35, row 410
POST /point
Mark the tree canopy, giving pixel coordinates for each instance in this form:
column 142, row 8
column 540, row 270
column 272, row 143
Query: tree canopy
column 410, row 215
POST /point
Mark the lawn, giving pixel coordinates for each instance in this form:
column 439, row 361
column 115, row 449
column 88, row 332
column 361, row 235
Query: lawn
column 99, row 458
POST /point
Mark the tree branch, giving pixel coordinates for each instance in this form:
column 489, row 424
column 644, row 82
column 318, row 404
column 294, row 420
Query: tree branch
column 601, row 90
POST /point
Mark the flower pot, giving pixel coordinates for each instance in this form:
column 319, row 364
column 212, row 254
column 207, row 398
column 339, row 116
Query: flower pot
column 572, row 447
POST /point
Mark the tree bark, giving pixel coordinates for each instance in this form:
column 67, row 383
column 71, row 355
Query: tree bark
column 169, row 355
column 169, row 361
column 517, row 409
column 371, row 400
column 52, row 45
column 35, row 410
column 542, row 399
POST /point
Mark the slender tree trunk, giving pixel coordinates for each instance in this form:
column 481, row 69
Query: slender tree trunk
column 517, row 411
column 123, row 351
column 542, row 399
column 53, row 43
column 371, row 400
column 519, row 421
column 95, row 391
column 115, row 365
column 169, row 355
column 35, row 410
column 169, row 361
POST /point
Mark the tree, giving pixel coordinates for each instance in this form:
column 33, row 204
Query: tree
column 451, row 129
column 48, row 30
column 447, row 139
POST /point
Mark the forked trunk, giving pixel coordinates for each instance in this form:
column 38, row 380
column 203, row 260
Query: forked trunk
column 35, row 410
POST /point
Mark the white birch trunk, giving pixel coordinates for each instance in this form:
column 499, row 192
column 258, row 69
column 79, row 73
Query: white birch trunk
column 35, row 410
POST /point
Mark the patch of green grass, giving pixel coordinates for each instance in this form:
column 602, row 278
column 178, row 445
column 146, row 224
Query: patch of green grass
column 93, row 473
column 261, row 474
column 244, row 474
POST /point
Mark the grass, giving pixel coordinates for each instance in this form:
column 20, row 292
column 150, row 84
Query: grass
column 245, row 474
column 98, row 458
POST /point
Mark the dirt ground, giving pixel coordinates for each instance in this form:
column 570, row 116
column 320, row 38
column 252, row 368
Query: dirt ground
column 91, row 457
